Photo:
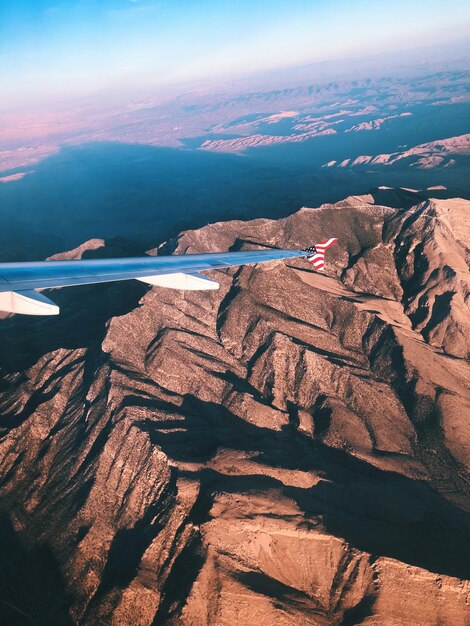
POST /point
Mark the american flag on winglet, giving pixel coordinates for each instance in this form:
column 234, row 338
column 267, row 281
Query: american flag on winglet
column 316, row 254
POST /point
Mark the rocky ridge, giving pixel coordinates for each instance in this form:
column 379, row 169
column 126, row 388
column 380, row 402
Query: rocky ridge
column 292, row 448
column 441, row 153
column 241, row 144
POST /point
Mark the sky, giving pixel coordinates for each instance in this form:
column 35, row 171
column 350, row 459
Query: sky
column 63, row 49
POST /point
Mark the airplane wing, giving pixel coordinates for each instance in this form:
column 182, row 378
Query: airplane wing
column 19, row 281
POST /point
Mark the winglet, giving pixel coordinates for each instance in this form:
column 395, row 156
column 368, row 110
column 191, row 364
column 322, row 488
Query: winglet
column 316, row 254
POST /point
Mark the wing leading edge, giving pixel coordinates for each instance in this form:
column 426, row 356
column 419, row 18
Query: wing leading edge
column 19, row 281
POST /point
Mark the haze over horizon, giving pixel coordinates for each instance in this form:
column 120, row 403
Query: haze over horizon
column 54, row 51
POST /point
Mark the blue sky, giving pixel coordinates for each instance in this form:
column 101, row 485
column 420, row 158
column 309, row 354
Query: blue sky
column 67, row 48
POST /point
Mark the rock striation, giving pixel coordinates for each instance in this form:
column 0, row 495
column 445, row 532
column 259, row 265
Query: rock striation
column 292, row 449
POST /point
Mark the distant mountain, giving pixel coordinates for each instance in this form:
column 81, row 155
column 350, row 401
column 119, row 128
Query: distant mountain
column 441, row 153
column 292, row 449
column 303, row 128
column 240, row 144
column 151, row 167
column 375, row 124
column 438, row 101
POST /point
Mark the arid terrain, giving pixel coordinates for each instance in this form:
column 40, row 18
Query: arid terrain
column 426, row 104
column 292, row 449
column 149, row 168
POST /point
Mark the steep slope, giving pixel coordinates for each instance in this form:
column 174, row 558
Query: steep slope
column 292, row 448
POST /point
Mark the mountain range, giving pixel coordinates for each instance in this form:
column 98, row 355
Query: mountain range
column 292, row 449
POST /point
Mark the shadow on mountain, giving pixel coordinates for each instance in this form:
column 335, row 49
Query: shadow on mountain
column 376, row 511
column 84, row 312
column 149, row 193
column 140, row 192
column 31, row 588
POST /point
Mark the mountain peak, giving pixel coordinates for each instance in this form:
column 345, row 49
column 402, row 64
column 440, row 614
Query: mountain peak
column 291, row 444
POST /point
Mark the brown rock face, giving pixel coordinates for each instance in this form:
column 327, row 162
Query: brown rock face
column 292, row 449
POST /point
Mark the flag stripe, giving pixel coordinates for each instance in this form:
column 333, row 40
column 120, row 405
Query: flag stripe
column 325, row 244
column 318, row 258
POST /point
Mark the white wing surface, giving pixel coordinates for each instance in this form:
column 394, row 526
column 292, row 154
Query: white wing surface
column 19, row 281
